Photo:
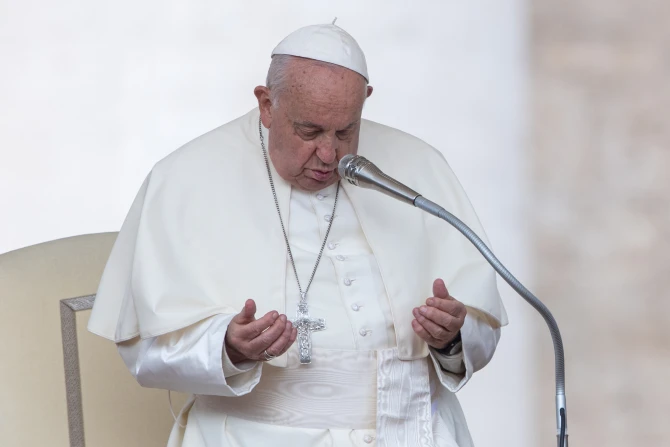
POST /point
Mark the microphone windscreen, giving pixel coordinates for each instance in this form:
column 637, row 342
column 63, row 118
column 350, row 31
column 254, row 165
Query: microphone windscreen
column 342, row 165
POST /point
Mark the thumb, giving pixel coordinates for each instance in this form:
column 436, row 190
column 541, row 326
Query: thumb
column 247, row 313
column 440, row 289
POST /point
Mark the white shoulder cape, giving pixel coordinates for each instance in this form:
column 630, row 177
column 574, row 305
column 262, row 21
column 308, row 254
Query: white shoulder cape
column 202, row 236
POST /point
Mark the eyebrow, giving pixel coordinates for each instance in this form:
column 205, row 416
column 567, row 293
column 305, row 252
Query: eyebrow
column 351, row 125
column 312, row 125
column 307, row 124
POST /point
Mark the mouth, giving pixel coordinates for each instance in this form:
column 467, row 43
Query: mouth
column 322, row 176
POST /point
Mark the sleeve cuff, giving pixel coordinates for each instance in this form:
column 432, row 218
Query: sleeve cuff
column 192, row 360
column 479, row 341
column 230, row 369
column 450, row 363
column 453, row 371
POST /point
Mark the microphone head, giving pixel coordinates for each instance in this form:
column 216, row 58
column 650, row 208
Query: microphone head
column 351, row 166
column 344, row 162
column 359, row 171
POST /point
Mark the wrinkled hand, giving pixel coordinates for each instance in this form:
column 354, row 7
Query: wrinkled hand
column 248, row 338
column 439, row 321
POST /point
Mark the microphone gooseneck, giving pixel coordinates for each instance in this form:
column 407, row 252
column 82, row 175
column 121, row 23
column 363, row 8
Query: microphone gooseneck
column 361, row 172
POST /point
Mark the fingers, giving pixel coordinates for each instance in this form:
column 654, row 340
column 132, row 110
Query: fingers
column 439, row 331
column 269, row 336
column 249, row 338
column 284, row 341
column 424, row 334
column 255, row 328
column 247, row 313
column 443, row 319
column 451, row 306
column 440, row 289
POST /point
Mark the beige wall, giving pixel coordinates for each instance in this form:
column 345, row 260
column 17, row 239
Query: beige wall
column 601, row 214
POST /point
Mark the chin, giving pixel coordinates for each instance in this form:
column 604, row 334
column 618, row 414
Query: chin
column 310, row 184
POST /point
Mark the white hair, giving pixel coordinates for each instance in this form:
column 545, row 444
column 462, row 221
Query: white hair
column 278, row 76
column 277, row 79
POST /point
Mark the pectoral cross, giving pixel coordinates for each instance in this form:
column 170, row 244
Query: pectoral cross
column 305, row 326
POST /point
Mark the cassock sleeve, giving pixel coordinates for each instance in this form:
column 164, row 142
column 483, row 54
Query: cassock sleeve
column 480, row 339
column 191, row 360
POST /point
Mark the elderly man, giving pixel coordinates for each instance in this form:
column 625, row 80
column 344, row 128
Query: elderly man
column 296, row 309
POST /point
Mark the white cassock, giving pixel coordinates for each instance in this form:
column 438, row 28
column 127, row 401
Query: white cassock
column 203, row 236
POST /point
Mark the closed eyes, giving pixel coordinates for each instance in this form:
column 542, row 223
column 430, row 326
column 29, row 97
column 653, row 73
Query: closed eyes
column 309, row 131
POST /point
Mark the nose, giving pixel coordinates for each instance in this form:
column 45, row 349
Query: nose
column 327, row 150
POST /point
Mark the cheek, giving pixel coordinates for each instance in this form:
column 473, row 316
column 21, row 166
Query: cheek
column 348, row 146
column 295, row 154
column 353, row 148
column 303, row 153
column 300, row 150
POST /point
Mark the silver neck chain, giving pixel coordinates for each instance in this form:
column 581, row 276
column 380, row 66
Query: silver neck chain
column 303, row 295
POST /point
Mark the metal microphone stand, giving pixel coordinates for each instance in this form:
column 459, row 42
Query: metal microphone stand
column 561, row 406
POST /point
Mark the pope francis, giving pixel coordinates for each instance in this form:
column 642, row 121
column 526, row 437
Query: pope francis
column 298, row 310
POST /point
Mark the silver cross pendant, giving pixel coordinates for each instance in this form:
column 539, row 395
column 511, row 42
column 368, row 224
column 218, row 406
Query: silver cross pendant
column 305, row 326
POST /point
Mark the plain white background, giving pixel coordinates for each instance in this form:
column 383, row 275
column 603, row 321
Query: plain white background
column 94, row 93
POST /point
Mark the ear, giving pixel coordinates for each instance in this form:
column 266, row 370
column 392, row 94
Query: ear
column 369, row 91
column 264, row 104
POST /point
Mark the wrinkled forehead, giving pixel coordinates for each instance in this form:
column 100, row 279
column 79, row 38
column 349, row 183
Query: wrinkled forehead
column 324, row 90
column 324, row 115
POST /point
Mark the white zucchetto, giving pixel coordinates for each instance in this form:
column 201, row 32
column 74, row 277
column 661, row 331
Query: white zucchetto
column 326, row 43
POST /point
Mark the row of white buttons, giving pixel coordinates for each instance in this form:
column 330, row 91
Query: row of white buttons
column 347, row 282
column 332, row 246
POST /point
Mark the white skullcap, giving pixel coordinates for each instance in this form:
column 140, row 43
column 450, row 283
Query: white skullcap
column 327, row 43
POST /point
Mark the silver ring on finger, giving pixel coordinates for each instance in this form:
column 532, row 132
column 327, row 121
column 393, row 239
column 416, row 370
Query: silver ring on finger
column 267, row 356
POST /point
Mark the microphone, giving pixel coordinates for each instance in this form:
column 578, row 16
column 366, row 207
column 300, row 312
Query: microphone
column 362, row 172
column 359, row 171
